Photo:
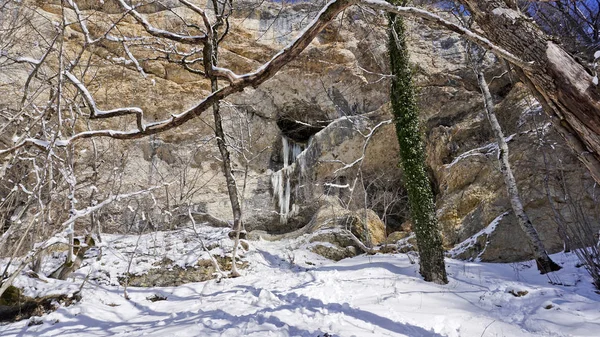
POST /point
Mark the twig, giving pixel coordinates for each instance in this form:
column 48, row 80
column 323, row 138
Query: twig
column 212, row 258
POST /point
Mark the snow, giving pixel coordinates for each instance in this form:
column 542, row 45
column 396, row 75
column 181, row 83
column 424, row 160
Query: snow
column 28, row 60
column 480, row 151
column 471, row 241
column 289, row 291
column 336, row 185
column 596, row 57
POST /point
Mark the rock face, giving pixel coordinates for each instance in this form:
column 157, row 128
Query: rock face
column 472, row 193
column 318, row 135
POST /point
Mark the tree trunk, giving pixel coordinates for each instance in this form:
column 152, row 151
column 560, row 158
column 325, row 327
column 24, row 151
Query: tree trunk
column 79, row 250
column 560, row 83
column 231, row 186
column 420, row 195
column 544, row 263
column 211, row 58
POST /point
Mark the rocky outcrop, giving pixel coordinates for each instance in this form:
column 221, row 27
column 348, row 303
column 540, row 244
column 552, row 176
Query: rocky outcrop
column 319, row 131
column 171, row 275
column 337, row 230
column 472, row 195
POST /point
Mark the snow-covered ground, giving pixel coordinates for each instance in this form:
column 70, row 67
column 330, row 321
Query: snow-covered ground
column 288, row 291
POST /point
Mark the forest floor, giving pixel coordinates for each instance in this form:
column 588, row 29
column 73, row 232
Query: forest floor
column 286, row 290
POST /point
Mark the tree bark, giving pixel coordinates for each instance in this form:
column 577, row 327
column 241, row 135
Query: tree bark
column 559, row 82
column 412, row 158
column 231, row 186
column 211, row 57
column 544, row 263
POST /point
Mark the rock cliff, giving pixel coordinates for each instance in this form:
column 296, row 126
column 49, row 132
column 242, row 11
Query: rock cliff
column 320, row 130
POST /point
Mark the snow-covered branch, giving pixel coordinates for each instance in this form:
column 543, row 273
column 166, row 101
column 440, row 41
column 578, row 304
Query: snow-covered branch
column 161, row 33
column 82, row 24
column 89, row 40
column 198, row 11
column 237, row 83
column 88, row 210
column 96, row 113
column 365, row 145
column 433, row 18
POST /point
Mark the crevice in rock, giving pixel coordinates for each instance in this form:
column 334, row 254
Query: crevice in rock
column 299, row 131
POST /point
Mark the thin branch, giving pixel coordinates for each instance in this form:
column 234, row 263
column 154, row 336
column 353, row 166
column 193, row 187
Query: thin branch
column 468, row 34
column 239, row 82
column 161, row 33
column 96, row 113
column 212, row 258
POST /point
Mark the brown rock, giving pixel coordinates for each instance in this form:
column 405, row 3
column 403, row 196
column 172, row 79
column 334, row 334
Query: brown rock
column 395, row 237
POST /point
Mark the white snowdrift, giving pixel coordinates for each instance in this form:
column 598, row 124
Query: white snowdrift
column 379, row 295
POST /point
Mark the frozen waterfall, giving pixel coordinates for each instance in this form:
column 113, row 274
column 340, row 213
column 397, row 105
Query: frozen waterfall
column 280, row 180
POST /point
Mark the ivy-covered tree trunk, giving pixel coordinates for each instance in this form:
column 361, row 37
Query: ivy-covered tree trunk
column 412, row 154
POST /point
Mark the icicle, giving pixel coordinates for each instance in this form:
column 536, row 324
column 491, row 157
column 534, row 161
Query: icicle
column 290, row 150
column 278, row 192
column 285, row 151
column 296, row 149
column 280, row 180
column 286, row 201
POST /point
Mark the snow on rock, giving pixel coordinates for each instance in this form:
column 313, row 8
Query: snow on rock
column 308, row 296
column 480, row 151
column 469, row 243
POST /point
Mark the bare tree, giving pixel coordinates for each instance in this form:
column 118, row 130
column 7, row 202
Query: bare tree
column 477, row 59
column 575, row 22
column 544, row 262
column 562, row 85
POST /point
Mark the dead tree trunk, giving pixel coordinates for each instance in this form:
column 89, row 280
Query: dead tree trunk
column 544, row 263
column 559, row 82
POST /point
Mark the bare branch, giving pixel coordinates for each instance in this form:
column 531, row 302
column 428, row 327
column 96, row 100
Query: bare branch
column 468, row 34
column 161, row 33
column 96, row 113
column 201, row 12
column 254, row 79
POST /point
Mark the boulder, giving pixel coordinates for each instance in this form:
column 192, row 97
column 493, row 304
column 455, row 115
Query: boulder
column 333, row 252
